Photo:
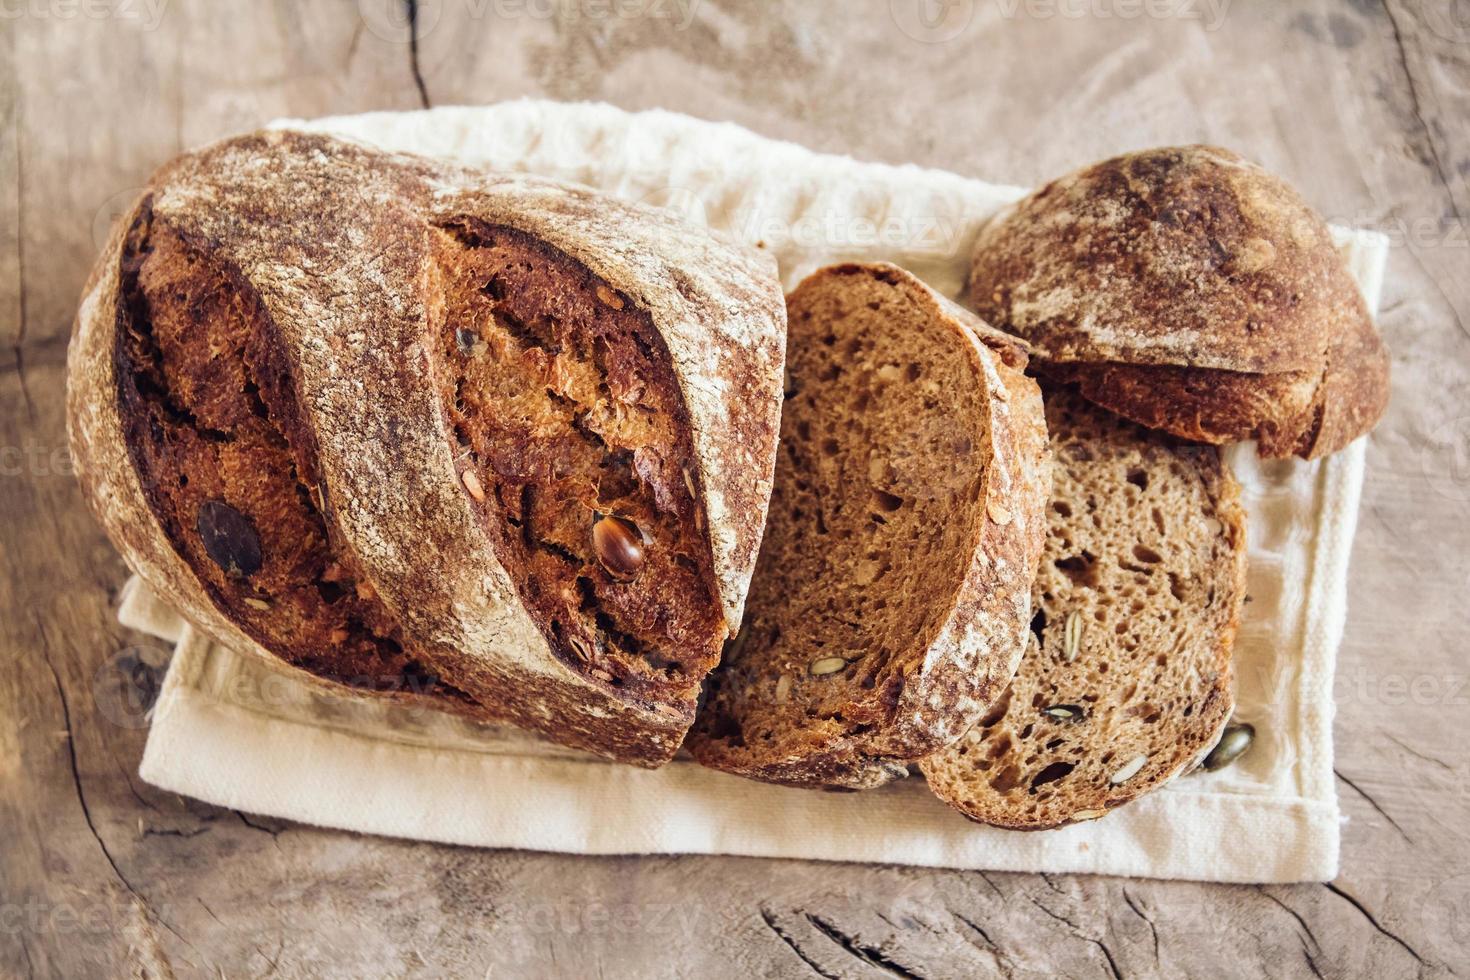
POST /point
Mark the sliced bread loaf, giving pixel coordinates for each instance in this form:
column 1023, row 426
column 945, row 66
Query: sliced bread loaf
column 1127, row 680
column 892, row 592
column 481, row 442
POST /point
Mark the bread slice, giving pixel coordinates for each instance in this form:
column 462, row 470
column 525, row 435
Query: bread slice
column 892, row 592
column 1127, row 680
column 1189, row 290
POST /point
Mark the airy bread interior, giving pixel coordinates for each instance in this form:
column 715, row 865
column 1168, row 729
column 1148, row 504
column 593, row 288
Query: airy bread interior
column 1137, row 601
column 874, row 520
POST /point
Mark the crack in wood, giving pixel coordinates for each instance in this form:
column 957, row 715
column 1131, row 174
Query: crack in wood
column 1128, row 898
column 1294, row 914
column 25, row 949
column 76, row 777
column 1311, row 963
column 1374, row 804
column 1058, row 916
column 1372, row 920
column 769, row 918
column 869, row 954
column 986, row 878
column 1435, row 161
column 1419, row 755
column 413, row 53
column 18, row 345
column 1002, row 960
column 1112, row 963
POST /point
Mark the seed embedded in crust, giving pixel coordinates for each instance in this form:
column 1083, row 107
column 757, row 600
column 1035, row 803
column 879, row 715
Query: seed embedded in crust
column 1232, row 745
column 619, row 545
column 580, row 648
column 1128, row 771
column 472, row 484
column 255, row 603
column 229, row 538
column 609, row 297
column 783, row 689
column 1063, row 712
column 1088, row 814
column 998, row 513
column 826, row 665
column 1072, row 636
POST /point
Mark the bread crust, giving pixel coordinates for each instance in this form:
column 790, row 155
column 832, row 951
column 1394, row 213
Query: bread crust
column 334, row 239
column 981, row 636
column 1188, row 289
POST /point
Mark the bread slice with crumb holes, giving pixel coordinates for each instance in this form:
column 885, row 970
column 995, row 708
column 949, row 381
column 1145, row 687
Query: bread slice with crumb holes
column 1137, row 599
column 892, row 593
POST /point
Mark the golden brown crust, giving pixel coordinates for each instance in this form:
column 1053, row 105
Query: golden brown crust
column 904, row 691
column 334, row 240
column 1190, row 290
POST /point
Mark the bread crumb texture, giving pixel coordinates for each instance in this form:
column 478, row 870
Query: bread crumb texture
column 904, row 528
column 1126, row 680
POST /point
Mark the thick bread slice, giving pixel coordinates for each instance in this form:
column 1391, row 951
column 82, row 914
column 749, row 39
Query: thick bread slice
column 1137, row 601
column 486, row 442
column 1189, row 289
column 892, row 592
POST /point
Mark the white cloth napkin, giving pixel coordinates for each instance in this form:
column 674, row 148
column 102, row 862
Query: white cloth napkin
column 237, row 733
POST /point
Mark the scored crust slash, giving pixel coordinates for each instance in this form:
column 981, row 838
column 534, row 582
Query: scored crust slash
column 423, row 429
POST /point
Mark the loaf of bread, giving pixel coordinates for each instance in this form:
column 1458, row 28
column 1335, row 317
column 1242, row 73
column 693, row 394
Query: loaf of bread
column 486, row 442
column 892, row 595
column 1191, row 291
column 1127, row 682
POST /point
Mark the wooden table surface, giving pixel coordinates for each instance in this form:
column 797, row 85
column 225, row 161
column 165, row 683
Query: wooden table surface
column 1364, row 105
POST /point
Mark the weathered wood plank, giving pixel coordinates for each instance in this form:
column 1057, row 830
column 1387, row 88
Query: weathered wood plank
column 1363, row 105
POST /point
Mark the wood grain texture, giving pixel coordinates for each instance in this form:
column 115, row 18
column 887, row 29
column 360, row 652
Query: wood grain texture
column 1363, row 105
